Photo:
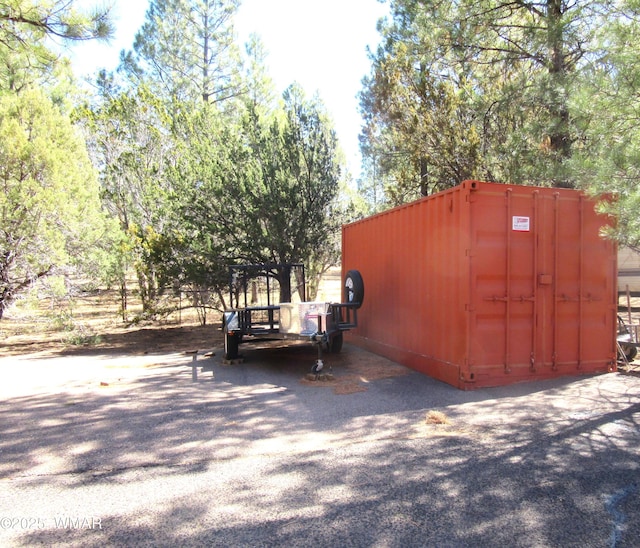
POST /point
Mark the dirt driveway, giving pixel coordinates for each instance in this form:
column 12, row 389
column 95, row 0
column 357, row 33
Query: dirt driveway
column 117, row 446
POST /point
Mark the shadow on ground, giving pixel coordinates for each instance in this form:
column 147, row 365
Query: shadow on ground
column 253, row 455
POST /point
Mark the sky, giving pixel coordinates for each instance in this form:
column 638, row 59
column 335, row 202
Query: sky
column 320, row 44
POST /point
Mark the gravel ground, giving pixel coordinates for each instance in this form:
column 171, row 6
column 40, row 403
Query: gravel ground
column 128, row 451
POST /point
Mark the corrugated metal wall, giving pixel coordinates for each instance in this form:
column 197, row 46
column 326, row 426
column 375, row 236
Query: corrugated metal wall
column 487, row 284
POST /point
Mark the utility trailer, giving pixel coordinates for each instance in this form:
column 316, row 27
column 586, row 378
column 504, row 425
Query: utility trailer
column 270, row 304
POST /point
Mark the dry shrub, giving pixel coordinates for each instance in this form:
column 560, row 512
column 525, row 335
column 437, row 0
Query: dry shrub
column 436, row 417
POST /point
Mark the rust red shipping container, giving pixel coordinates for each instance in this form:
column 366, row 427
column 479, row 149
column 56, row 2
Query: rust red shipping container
column 488, row 284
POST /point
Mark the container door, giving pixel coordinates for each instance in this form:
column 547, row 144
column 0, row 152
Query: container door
column 579, row 285
column 504, row 259
column 541, row 282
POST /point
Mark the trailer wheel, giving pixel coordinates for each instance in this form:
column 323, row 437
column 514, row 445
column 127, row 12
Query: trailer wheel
column 231, row 342
column 630, row 352
column 334, row 345
column 354, row 288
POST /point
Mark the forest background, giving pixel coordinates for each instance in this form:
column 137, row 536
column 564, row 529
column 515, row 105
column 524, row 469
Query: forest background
column 185, row 160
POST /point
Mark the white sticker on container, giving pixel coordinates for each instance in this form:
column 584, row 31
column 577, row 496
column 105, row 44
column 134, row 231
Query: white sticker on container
column 521, row 224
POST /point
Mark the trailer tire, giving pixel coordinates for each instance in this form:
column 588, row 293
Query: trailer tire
column 630, row 352
column 231, row 342
column 334, row 345
column 354, row 288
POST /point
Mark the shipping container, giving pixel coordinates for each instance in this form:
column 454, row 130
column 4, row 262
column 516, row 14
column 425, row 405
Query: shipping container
column 488, row 284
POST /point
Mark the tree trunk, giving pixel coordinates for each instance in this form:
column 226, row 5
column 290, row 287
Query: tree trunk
column 560, row 136
column 205, row 61
column 424, row 176
column 284, row 279
column 123, row 298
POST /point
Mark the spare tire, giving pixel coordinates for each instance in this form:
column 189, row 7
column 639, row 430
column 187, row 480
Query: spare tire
column 353, row 288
